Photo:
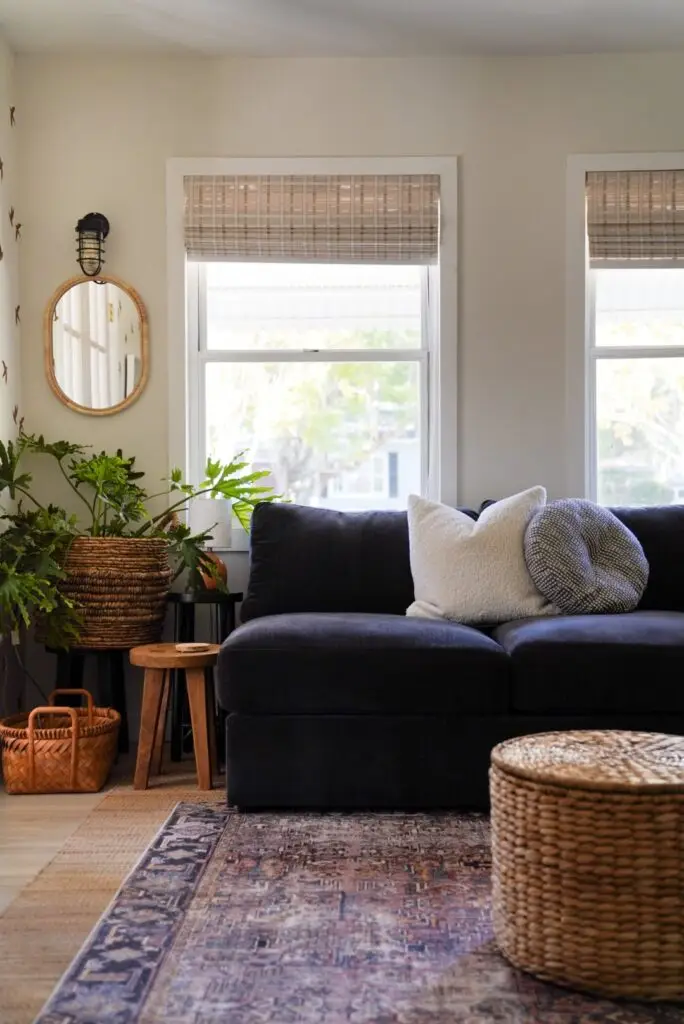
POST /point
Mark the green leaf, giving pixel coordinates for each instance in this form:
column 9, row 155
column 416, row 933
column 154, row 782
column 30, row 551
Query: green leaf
column 213, row 469
column 238, row 463
column 10, row 478
column 57, row 449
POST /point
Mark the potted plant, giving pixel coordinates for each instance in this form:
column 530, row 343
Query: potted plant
column 101, row 581
column 33, row 547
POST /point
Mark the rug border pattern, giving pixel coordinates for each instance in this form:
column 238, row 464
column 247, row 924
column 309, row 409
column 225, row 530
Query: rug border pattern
column 71, row 985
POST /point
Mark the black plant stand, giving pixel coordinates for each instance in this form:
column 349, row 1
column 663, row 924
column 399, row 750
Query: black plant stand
column 111, row 680
column 222, row 623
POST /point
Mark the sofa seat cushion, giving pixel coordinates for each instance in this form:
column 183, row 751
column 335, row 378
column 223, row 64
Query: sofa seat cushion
column 314, row 663
column 629, row 663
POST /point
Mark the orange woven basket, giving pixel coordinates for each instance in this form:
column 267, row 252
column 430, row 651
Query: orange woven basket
column 59, row 749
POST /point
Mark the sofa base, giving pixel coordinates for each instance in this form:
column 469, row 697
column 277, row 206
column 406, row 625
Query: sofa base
column 384, row 762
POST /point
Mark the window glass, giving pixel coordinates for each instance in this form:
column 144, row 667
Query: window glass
column 640, row 431
column 326, row 431
column 312, row 306
column 640, row 307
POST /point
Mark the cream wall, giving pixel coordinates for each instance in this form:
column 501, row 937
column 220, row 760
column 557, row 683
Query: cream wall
column 95, row 135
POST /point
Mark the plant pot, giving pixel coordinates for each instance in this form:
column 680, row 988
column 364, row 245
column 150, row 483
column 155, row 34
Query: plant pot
column 213, row 516
column 210, row 582
column 120, row 586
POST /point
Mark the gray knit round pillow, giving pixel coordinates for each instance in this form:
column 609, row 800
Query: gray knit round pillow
column 584, row 560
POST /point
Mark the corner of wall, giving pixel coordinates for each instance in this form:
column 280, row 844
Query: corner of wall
column 10, row 314
column 10, row 239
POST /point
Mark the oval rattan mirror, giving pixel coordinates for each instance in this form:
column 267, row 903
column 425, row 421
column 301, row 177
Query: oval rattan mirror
column 96, row 344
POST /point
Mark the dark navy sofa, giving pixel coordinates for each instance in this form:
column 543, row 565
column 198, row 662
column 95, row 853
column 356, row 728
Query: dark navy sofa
column 335, row 699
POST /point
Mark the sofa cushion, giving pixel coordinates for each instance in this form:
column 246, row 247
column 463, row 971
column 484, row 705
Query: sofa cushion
column 360, row 664
column 473, row 571
column 630, row 663
column 660, row 530
column 318, row 560
column 584, row 559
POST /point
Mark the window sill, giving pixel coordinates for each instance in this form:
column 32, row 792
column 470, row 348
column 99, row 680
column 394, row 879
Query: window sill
column 239, row 544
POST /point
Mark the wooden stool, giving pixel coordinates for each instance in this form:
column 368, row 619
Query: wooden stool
column 159, row 660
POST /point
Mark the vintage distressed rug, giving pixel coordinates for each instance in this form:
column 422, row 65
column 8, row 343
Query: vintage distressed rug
column 275, row 918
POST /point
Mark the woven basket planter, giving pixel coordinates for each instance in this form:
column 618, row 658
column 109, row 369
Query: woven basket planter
column 59, row 749
column 120, row 585
column 588, row 860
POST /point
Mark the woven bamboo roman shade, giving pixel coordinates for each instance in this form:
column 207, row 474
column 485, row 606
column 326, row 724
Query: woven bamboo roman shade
column 635, row 215
column 322, row 218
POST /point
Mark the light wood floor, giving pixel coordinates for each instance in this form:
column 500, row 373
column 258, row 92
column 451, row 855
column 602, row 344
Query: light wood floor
column 33, row 829
column 62, row 859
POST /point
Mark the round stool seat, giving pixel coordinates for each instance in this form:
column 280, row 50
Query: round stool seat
column 166, row 656
column 588, row 860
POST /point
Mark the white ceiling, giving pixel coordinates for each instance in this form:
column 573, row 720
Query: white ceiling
column 342, row 27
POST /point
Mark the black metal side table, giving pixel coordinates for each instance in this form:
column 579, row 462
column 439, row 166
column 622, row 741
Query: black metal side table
column 222, row 623
column 111, row 679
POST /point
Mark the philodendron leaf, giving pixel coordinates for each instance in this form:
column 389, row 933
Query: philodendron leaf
column 130, row 463
column 213, row 470
column 57, row 449
column 10, row 478
column 238, row 463
column 22, row 595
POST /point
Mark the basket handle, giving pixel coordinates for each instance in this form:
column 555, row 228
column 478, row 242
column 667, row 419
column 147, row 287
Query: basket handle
column 32, row 741
column 77, row 693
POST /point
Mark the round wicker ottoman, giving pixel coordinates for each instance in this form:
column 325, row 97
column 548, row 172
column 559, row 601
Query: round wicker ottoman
column 588, row 860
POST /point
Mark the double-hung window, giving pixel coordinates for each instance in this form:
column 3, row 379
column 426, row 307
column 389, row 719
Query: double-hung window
column 635, row 227
column 311, row 311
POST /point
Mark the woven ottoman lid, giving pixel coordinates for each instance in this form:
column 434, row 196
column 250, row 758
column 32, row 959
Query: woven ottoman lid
column 646, row 762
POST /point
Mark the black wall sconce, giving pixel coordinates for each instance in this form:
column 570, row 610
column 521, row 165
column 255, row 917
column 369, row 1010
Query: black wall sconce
column 91, row 232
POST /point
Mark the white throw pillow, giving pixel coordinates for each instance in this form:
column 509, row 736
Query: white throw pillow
column 474, row 571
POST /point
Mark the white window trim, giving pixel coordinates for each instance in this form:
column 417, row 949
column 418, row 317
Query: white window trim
column 580, row 355
column 443, row 374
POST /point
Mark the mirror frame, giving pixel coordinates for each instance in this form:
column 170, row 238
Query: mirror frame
column 144, row 345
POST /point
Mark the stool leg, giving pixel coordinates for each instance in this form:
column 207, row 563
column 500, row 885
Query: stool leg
column 149, row 720
column 161, row 727
column 197, row 696
column 211, row 716
column 177, row 692
column 176, row 716
column 111, row 688
column 118, row 670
